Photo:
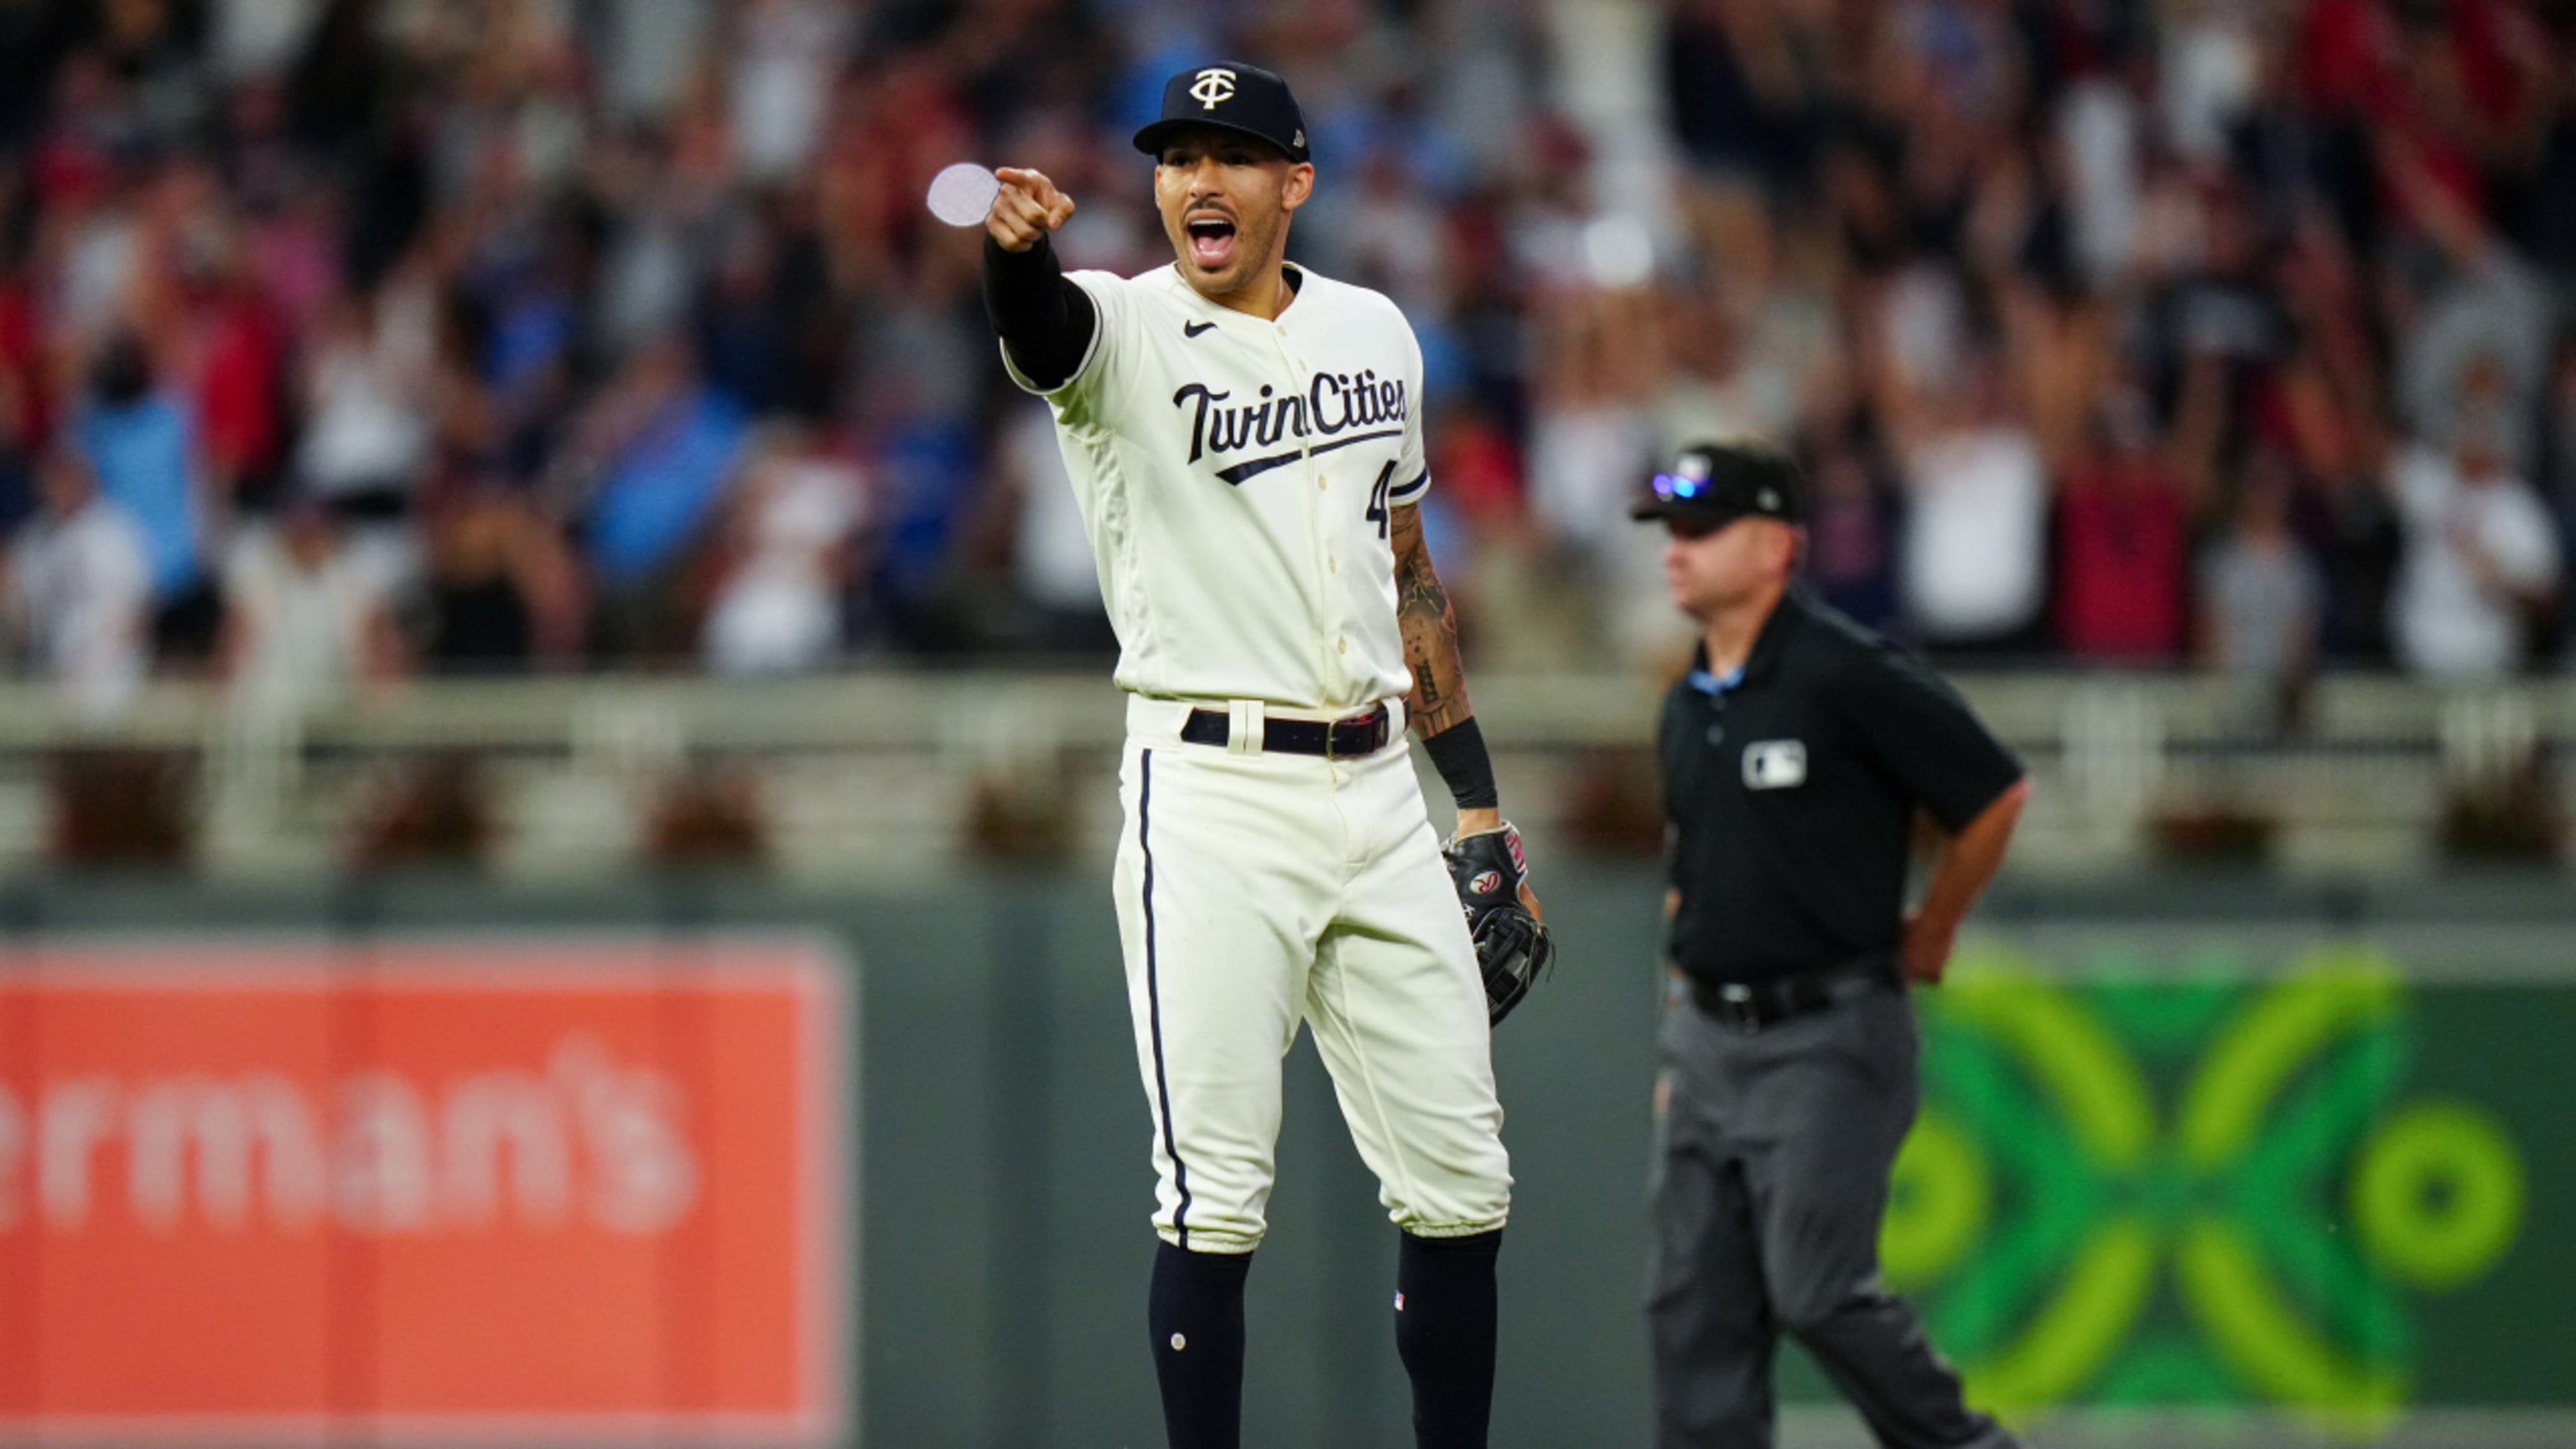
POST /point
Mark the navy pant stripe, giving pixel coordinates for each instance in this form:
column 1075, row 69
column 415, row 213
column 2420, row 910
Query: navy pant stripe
column 1154, row 994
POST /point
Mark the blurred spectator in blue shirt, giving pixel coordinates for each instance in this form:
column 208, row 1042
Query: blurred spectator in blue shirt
column 661, row 445
column 142, row 447
column 1852, row 530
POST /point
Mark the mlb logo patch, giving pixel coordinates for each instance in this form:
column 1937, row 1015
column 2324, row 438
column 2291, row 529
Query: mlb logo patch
column 1775, row 764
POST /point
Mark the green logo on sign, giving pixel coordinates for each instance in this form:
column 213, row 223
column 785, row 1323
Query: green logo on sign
column 2242, row 1148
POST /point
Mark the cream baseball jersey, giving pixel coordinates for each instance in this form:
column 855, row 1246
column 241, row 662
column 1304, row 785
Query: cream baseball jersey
column 1236, row 475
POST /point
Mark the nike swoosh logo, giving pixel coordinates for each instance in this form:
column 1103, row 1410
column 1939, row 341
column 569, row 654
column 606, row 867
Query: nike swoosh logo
column 1193, row 329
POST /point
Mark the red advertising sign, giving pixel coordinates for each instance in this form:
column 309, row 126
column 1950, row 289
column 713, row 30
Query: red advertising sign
column 421, row 1190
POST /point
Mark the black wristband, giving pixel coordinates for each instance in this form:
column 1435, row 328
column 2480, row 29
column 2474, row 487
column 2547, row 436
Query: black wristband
column 1017, row 282
column 1043, row 316
column 1458, row 753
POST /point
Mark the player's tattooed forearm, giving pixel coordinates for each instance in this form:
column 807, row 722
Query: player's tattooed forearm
column 1430, row 626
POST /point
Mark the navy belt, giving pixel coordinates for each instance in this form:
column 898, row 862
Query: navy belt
column 1752, row 1005
column 1363, row 734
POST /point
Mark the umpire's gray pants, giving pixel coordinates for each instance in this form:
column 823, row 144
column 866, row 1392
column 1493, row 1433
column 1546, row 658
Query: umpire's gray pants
column 1769, row 1179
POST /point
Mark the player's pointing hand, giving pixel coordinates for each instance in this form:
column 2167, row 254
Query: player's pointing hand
column 1027, row 207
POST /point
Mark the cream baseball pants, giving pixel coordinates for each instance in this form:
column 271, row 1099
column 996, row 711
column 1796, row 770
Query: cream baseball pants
column 1258, row 890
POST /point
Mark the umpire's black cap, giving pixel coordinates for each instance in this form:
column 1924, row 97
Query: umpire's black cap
column 1714, row 484
column 1231, row 96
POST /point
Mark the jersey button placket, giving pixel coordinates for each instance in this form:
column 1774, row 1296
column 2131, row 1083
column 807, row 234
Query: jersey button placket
column 1321, row 529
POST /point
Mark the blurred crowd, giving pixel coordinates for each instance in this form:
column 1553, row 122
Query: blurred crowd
column 342, row 340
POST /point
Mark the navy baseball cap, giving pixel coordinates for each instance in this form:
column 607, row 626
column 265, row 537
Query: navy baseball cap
column 1714, row 484
column 1231, row 96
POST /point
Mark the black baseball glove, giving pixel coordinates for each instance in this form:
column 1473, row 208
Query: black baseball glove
column 1512, row 946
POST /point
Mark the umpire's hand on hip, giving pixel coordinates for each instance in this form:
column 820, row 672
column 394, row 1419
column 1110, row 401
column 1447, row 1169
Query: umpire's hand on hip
column 1926, row 947
column 1027, row 207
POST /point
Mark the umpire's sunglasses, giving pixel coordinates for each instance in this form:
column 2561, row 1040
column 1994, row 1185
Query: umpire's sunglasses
column 1675, row 488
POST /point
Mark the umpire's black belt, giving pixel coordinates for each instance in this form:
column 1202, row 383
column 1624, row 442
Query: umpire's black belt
column 1361, row 734
column 1753, row 1005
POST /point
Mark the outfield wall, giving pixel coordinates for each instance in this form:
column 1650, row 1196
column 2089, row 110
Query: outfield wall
column 2203, row 1163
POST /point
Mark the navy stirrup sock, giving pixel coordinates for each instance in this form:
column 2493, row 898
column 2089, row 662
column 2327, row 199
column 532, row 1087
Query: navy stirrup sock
column 1196, row 1314
column 1444, row 1330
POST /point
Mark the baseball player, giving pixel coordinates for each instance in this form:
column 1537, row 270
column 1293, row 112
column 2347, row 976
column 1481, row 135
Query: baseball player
column 1245, row 442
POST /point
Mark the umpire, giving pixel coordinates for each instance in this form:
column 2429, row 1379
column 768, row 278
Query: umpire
column 1795, row 755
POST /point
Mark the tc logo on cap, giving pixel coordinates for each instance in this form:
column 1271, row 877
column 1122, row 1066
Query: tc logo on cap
column 1214, row 84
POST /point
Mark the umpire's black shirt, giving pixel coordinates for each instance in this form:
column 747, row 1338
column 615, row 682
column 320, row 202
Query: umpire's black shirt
column 1791, row 788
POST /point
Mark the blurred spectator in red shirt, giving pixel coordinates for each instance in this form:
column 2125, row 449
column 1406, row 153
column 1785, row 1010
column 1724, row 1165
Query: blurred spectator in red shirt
column 26, row 421
column 223, row 342
column 2122, row 532
column 1483, row 494
column 1479, row 473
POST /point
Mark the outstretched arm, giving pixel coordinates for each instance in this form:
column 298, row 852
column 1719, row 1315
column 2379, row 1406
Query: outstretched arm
column 1043, row 318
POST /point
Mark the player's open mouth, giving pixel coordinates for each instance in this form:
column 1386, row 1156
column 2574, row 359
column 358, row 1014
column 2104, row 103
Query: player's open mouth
column 1211, row 240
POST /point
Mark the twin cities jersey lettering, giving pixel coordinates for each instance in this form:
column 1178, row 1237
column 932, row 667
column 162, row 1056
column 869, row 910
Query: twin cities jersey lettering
column 1235, row 476
column 1339, row 406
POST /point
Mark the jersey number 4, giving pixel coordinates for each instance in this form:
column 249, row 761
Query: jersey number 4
column 1377, row 499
